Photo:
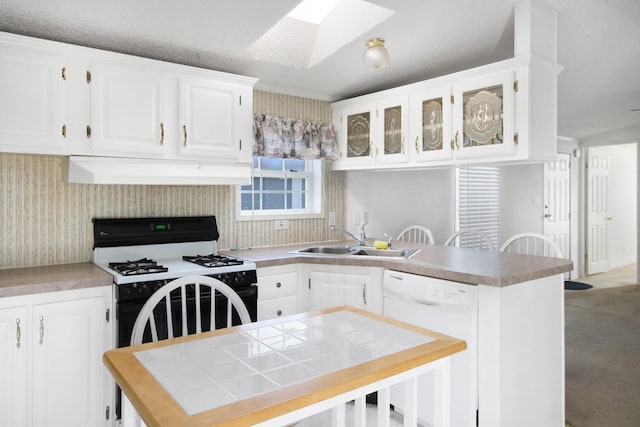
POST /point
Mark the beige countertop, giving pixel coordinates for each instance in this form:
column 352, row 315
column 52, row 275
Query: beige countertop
column 456, row 264
column 51, row 278
column 450, row 263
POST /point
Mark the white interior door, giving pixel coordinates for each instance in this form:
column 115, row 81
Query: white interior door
column 557, row 202
column 597, row 211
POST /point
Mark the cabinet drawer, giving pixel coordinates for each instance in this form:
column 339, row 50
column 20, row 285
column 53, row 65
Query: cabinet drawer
column 275, row 286
column 277, row 307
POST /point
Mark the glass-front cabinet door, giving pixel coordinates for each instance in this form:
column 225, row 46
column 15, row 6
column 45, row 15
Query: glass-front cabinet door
column 484, row 116
column 391, row 130
column 430, row 118
column 357, row 127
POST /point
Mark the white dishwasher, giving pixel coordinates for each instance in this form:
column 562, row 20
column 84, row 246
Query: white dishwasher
column 452, row 309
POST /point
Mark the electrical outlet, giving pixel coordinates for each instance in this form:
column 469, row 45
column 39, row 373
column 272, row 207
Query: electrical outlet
column 356, row 218
column 332, row 219
column 281, row 224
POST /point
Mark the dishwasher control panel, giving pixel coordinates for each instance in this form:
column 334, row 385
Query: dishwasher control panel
column 425, row 290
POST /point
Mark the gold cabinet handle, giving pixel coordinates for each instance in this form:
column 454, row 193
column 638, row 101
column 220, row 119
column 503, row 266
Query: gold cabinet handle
column 64, row 73
column 161, row 133
column 18, row 334
column 41, row 329
column 184, row 130
column 417, row 149
column 455, row 140
column 88, row 131
column 64, row 131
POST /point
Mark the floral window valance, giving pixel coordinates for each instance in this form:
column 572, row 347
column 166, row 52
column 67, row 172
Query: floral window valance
column 291, row 138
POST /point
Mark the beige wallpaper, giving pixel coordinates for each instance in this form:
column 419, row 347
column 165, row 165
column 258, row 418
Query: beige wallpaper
column 45, row 220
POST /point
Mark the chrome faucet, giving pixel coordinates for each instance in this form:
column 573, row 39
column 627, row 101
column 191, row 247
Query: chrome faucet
column 361, row 240
column 388, row 236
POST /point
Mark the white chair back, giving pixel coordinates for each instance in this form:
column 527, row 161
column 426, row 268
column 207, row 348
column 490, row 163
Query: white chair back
column 470, row 238
column 165, row 306
column 532, row 244
column 416, row 234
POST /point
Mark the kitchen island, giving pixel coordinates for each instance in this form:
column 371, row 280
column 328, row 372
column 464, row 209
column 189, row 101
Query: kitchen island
column 292, row 367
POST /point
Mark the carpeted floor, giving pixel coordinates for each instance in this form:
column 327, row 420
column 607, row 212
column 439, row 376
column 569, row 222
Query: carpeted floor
column 602, row 357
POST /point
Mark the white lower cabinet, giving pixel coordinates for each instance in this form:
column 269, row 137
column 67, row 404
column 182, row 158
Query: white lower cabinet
column 278, row 291
column 335, row 285
column 13, row 365
column 51, row 359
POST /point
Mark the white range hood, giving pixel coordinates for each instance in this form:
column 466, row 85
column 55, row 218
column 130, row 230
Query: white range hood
column 128, row 171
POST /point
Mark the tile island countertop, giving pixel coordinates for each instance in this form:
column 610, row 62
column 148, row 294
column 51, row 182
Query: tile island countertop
column 273, row 371
column 444, row 262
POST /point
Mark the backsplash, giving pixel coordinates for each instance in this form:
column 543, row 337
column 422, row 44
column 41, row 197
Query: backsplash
column 45, row 220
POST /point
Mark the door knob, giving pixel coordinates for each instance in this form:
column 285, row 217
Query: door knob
column 547, row 215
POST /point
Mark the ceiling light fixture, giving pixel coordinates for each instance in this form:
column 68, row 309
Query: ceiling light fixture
column 377, row 55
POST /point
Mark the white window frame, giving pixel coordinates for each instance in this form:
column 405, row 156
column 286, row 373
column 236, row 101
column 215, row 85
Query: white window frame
column 314, row 206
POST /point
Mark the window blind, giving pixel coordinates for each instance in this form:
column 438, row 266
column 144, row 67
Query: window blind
column 478, row 201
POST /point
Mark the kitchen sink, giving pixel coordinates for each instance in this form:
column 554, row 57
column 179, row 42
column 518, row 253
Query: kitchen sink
column 328, row 250
column 395, row 253
column 362, row 251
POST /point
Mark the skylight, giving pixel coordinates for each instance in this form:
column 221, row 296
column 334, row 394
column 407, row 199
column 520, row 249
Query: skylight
column 313, row 11
column 315, row 30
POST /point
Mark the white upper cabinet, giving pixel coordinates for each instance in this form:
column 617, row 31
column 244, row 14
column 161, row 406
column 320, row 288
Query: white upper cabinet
column 356, row 133
column 484, row 116
column 391, row 130
column 128, row 111
column 430, row 123
column 64, row 99
column 32, row 108
column 501, row 112
column 210, row 119
column 372, row 132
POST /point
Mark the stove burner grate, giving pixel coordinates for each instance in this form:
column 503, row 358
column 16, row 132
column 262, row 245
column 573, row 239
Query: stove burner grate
column 213, row 260
column 141, row 266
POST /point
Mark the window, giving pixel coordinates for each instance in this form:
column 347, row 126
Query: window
column 282, row 187
column 478, row 201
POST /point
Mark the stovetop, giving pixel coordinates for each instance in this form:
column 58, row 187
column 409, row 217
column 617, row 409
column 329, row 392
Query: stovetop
column 151, row 249
column 165, row 261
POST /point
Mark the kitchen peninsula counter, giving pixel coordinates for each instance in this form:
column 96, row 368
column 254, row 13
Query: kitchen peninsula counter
column 462, row 265
column 518, row 316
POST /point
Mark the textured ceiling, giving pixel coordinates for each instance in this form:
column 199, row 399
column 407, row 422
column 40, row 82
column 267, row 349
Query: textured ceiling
column 598, row 45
